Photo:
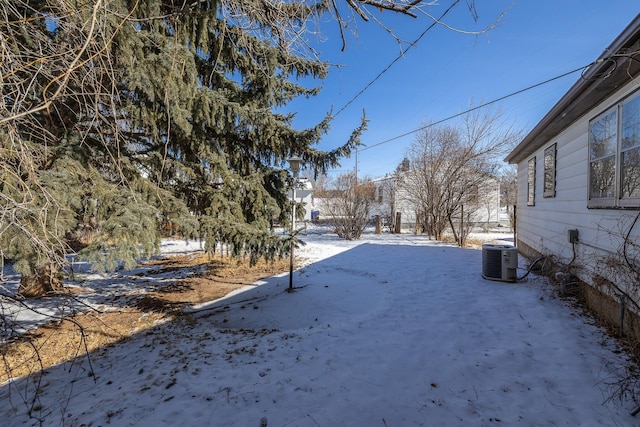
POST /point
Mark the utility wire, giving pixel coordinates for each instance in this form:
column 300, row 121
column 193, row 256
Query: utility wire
column 486, row 104
column 400, row 56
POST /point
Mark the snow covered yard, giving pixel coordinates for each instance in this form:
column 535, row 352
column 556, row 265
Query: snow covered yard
column 392, row 330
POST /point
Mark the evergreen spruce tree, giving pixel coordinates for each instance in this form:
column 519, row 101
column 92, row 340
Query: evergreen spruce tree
column 121, row 119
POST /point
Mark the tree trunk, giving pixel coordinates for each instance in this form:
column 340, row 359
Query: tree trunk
column 44, row 280
column 453, row 229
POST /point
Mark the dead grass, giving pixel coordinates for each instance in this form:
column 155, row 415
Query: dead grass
column 472, row 242
column 60, row 341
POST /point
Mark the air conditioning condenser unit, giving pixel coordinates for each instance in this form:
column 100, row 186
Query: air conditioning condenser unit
column 500, row 262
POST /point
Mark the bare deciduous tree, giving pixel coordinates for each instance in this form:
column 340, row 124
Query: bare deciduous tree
column 450, row 167
column 348, row 205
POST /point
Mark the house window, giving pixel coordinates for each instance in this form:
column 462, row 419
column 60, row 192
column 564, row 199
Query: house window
column 550, row 172
column 614, row 156
column 603, row 136
column 630, row 149
column 531, row 182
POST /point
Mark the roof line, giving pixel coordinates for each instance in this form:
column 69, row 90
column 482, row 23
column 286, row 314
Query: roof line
column 594, row 76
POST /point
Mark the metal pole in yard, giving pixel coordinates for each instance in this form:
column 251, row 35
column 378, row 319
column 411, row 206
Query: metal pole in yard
column 295, row 163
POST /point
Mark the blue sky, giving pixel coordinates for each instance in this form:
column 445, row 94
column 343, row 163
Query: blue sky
column 440, row 76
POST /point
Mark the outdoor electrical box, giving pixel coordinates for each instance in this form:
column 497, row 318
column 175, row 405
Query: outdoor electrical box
column 573, row 236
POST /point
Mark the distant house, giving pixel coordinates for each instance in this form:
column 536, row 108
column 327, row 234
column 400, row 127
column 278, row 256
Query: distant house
column 579, row 178
column 388, row 203
column 394, row 202
column 304, row 194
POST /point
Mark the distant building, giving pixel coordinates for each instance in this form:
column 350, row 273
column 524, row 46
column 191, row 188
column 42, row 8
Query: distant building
column 304, row 194
column 394, row 201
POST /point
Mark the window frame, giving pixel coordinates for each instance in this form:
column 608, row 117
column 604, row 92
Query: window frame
column 531, row 182
column 625, row 148
column 617, row 200
column 549, row 177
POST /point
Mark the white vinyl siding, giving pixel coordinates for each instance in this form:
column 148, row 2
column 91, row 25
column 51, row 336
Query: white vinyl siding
column 544, row 227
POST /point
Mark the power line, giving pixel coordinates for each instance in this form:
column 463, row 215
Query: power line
column 486, row 104
column 400, row 56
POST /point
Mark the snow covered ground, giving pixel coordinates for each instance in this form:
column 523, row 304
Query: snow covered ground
column 391, row 330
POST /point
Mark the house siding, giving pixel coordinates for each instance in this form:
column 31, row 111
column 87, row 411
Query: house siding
column 406, row 207
column 543, row 228
column 607, row 280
